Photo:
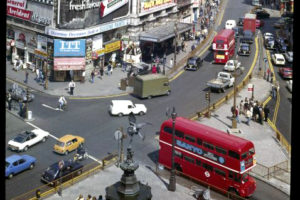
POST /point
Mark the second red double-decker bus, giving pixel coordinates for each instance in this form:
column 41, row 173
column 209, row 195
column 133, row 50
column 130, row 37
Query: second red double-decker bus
column 209, row 155
column 223, row 46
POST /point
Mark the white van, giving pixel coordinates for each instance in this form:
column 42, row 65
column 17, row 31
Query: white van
column 125, row 107
column 230, row 24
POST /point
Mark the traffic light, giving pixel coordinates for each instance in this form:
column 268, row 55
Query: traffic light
column 207, row 96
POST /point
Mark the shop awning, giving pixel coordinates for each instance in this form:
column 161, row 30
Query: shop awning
column 64, row 64
column 164, row 32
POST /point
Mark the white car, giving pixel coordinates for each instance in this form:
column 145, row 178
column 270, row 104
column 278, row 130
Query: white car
column 229, row 24
column 125, row 107
column 26, row 139
column 268, row 35
column 289, row 56
column 231, row 64
column 278, row 59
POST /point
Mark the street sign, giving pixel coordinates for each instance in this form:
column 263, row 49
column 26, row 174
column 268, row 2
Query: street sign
column 250, row 87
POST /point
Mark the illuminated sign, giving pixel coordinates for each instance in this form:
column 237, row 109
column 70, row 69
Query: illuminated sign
column 84, row 5
column 19, row 13
column 69, row 48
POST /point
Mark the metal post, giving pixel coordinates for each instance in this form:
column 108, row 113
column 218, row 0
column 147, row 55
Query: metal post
column 208, row 114
column 27, row 97
column 172, row 180
column 234, row 123
column 122, row 153
column 46, row 75
column 253, row 92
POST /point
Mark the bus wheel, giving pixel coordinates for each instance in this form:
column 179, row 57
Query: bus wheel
column 233, row 194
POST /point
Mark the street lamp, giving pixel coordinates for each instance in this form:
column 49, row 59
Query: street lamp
column 175, row 41
column 172, row 180
column 234, row 123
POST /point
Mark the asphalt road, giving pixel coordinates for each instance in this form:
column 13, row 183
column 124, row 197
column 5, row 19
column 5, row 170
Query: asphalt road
column 90, row 118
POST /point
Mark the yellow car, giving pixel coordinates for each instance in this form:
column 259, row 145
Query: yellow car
column 67, row 144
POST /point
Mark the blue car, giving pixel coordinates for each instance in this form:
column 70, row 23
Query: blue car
column 17, row 163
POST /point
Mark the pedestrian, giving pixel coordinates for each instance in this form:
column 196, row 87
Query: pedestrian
column 241, row 107
column 248, row 116
column 71, row 87
column 92, row 76
column 26, row 76
column 182, row 46
column 100, row 197
column 109, row 69
column 89, row 197
column 9, row 100
column 82, row 77
column 20, row 107
column 157, row 69
column 94, row 198
column 266, row 111
column 193, row 47
column 274, row 92
column 268, row 74
column 153, row 69
column 165, row 58
column 37, row 72
column 246, row 106
column 24, row 109
column 272, row 77
column 80, row 197
column 40, row 75
column 101, row 72
column 124, row 66
column 171, row 62
column 237, row 115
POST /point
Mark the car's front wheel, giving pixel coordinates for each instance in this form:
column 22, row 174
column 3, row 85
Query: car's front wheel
column 141, row 113
column 25, row 148
column 10, row 175
column 44, row 139
column 66, row 152
column 120, row 114
column 31, row 166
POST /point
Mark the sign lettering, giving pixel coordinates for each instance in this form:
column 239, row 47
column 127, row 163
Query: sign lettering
column 19, row 13
column 69, row 48
column 17, row 3
column 147, row 5
column 40, row 19
column 85, row 5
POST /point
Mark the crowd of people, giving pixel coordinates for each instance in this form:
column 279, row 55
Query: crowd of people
column 252, row 110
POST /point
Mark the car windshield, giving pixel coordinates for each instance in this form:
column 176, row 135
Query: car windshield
column 192, row 61
column 280, row 59
column 245, row 47
column 61, row 144
column 230, row 63
column 245, row 178
column 7, row 164
column 20, row 138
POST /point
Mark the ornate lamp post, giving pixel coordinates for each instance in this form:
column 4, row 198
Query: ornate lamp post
column 234, row 125
column 172, row 180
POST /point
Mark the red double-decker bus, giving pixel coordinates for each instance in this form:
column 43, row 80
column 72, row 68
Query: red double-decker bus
column 223, row 45
column 209, row 155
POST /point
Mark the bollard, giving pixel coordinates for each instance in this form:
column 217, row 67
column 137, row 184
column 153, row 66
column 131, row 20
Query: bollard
column 29, row 115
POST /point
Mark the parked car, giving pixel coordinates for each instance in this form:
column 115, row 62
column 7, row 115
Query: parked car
column 286, row 72
column 193, row 63
column 244, row 49
column 125, row 107
column 229, row 24
column 290, row 85
column 68, row 143
column 280, row 45
column 288, row 56
column 261, row 14
column 259, row 23
column 140, row 69
column 278, row 59
column 27, row 139
column 53, row 175
column 237, row 31
column 19, row 93
column 268, row 35
column 279, row 24
column 15, row 164
column 231, row 64
column 223, row 80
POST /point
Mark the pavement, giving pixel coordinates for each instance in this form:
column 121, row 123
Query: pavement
column 268, row 151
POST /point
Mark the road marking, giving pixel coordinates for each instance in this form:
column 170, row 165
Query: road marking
column 50, row 107
column 41, row 129
column 95, row 159
column 102, row 97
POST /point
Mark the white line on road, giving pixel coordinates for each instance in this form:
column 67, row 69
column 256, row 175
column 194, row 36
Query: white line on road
column 50, row 107
column 41, row 129
column 95, row 159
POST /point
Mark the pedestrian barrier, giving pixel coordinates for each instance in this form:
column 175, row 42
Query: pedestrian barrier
column 72, row 178
column 278, row 171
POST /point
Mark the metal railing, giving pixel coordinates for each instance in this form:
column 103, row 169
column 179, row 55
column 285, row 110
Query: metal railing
column 72, row 178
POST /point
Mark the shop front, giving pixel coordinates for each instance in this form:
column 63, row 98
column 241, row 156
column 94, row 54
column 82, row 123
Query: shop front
column 69, row 68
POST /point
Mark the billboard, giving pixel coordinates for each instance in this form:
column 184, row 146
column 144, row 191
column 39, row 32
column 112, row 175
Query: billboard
column 148, row 6
column 69, row 48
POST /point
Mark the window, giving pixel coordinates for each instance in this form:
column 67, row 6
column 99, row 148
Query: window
column 209, row 146
column 189, row 159
column 167, row 129
column 190, row 138
column 198, row 162
column 220, row 172
column 221, row 150
column 178, row 154
column 199, row 141
column 233, row 154
column 179, row 134
column 230, row 175
column 21, row 161
column 15, row 163
column 207, row 166
column 74, row 140
column 251, row 151
column 244, row 155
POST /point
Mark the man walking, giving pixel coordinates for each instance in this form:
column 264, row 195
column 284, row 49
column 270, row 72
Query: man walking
column 26, row 76
column 266, row 111
column 237, row 114
column 71, row 87
column 92, row 76
column 9, row 99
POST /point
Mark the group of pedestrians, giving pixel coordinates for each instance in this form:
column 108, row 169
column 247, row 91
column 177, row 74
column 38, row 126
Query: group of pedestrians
column 89, row 197
column 252, row 110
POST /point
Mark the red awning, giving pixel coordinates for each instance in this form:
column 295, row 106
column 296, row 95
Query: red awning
column 63, row 64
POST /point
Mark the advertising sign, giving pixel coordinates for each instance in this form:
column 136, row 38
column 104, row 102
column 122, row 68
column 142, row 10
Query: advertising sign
column 66, row 48
column 19, row 13
column 21, row 4
column 113, row 46
column 108, row 6
column 63, row 64
column 149, row 5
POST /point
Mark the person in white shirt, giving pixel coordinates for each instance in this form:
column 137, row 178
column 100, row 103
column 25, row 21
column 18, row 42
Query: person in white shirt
column 71, row 87
column 62, row 102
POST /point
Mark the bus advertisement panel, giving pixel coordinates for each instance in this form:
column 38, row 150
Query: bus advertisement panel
column 209, row 155
column 223, row 46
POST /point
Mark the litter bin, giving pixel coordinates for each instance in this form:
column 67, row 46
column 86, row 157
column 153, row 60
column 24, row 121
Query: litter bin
column 123, row 84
